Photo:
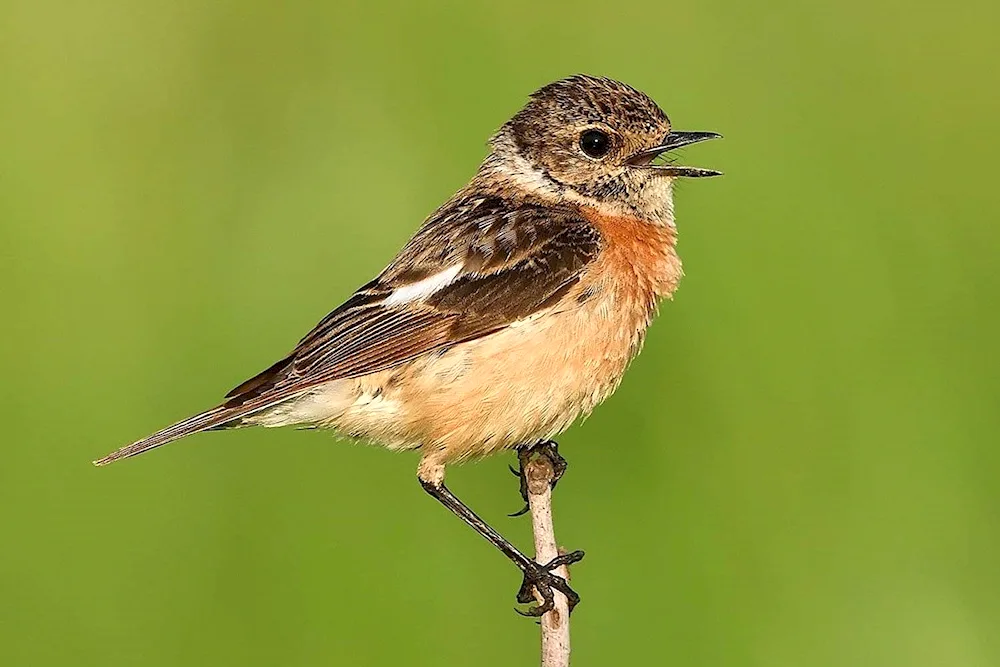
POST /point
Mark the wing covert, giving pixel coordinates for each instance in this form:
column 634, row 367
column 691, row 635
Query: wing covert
column 516, row 260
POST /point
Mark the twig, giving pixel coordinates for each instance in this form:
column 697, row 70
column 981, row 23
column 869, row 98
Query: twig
column 555, row 623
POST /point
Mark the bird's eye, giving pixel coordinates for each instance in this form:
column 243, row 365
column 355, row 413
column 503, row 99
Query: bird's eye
column 595, row 143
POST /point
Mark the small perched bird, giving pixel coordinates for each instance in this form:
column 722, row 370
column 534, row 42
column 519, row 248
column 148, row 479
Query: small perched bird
column 513, row 310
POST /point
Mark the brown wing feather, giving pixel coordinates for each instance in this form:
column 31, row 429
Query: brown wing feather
column 517, row 259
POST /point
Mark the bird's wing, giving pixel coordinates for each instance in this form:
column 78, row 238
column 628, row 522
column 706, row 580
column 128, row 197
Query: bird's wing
column 474, row 268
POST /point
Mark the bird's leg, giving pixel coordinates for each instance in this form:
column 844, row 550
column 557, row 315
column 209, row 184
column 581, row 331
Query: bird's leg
column 545, row 448
column 537, row 576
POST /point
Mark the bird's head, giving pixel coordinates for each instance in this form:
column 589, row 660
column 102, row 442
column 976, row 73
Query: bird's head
column 593, row 139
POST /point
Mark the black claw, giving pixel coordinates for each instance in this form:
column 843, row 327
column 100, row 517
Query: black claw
column 540, row 577
column 550, row 450
column 520, row 512
column 565, row 559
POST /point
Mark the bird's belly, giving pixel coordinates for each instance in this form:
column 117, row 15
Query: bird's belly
column 524, row 383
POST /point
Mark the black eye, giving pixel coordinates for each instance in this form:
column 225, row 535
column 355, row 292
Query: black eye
column 595, row 143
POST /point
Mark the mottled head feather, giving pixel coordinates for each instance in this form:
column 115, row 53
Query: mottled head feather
column 542, row 143
column 583, row 98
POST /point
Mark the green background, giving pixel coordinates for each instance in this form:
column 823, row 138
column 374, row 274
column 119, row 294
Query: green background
column 801, row 469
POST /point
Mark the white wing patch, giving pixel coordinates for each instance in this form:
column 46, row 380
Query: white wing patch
column 423, row 288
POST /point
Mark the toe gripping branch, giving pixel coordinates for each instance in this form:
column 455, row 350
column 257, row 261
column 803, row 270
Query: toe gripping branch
column 547, row 449
column 541, row 578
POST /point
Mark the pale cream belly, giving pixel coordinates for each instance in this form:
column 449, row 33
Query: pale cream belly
column 524, row 383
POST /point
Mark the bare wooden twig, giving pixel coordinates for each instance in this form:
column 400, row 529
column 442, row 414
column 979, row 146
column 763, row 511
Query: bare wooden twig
column 555, row 623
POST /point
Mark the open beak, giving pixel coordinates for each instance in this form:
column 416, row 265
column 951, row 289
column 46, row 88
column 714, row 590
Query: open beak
column 644, row 158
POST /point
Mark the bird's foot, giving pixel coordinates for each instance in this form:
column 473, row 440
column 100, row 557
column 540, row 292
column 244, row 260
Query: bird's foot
column 548, row 449
column 540, row 578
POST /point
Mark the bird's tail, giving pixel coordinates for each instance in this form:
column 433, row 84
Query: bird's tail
column 204, row 421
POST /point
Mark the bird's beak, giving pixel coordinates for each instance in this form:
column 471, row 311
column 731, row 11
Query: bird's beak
column 644, row 158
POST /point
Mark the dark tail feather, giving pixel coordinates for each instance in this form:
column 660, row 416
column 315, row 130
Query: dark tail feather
column 213, row 418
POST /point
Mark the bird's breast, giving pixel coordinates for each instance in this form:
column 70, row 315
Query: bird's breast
column 638, row 258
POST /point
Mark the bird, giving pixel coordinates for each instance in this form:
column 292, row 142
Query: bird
column 513, row 311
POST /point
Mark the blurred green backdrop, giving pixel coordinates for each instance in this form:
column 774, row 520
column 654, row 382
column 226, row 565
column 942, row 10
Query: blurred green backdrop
column 800, row 470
